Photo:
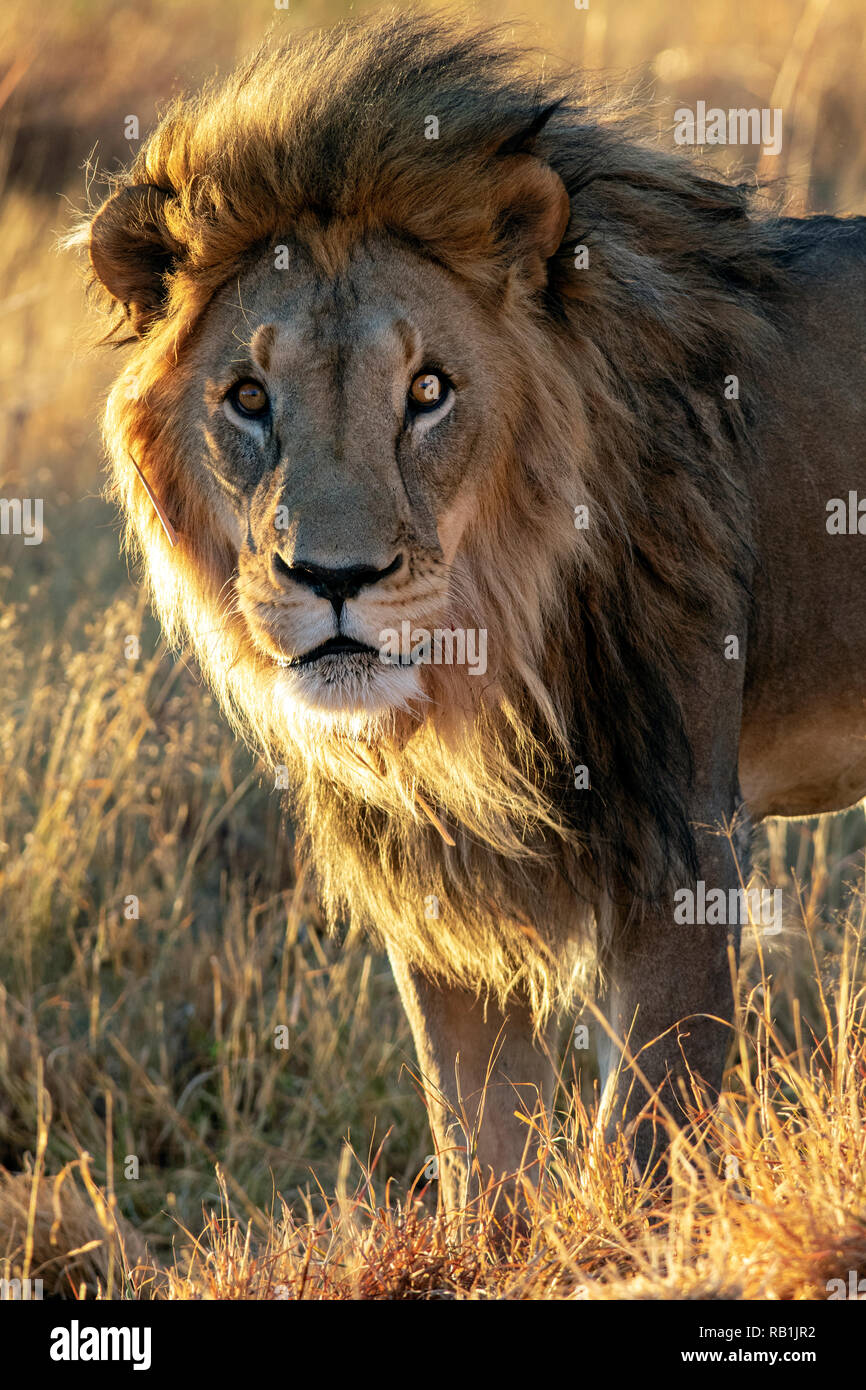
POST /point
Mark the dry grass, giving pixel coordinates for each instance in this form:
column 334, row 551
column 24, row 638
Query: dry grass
column 299, row 1173
column 768, row 1201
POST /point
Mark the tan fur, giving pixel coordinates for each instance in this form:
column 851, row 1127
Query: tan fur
column 608, row 393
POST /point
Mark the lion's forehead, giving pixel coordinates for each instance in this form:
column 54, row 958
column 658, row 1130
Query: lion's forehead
column 294, row 339
column 382, row 303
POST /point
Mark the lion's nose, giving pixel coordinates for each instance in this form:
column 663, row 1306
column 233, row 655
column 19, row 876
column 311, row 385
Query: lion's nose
column 336, row 585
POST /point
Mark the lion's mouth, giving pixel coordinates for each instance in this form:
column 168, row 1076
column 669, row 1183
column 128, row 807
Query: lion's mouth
column 345, row 679
column 334, row 647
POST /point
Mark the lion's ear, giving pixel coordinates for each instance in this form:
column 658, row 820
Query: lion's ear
column 132, row 251
column 534, row 213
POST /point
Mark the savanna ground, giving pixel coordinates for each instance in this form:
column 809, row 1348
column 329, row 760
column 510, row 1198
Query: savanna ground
column 152, row 934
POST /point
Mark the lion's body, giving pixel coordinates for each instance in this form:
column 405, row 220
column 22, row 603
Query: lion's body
column 802, row 745
column 594, row 498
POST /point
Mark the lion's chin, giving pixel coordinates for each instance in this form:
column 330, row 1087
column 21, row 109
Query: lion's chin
column 351, row 692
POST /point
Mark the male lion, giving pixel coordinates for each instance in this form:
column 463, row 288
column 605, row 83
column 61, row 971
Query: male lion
column 428, row 362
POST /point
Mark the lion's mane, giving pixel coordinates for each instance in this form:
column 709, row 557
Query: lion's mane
column 620, row 407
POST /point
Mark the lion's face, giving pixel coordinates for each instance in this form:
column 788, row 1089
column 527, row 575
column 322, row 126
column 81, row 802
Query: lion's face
column 343, row 358
column 339, row 425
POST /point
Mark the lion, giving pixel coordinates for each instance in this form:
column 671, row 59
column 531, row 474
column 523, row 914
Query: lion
column 483, row 453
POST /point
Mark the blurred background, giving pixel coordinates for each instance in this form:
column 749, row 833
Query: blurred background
column 152, row 934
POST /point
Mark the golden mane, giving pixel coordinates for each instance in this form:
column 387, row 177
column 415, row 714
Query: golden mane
column 620, row 407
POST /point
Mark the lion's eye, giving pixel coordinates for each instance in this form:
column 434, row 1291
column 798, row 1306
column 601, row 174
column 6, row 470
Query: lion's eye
column 249, row 398
column 427, row 390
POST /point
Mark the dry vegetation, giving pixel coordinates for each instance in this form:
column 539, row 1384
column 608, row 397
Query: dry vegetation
column 268, row 1173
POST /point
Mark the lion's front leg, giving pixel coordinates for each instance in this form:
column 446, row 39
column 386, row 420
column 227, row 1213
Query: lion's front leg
column 671, row 997
column 481, row 1066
